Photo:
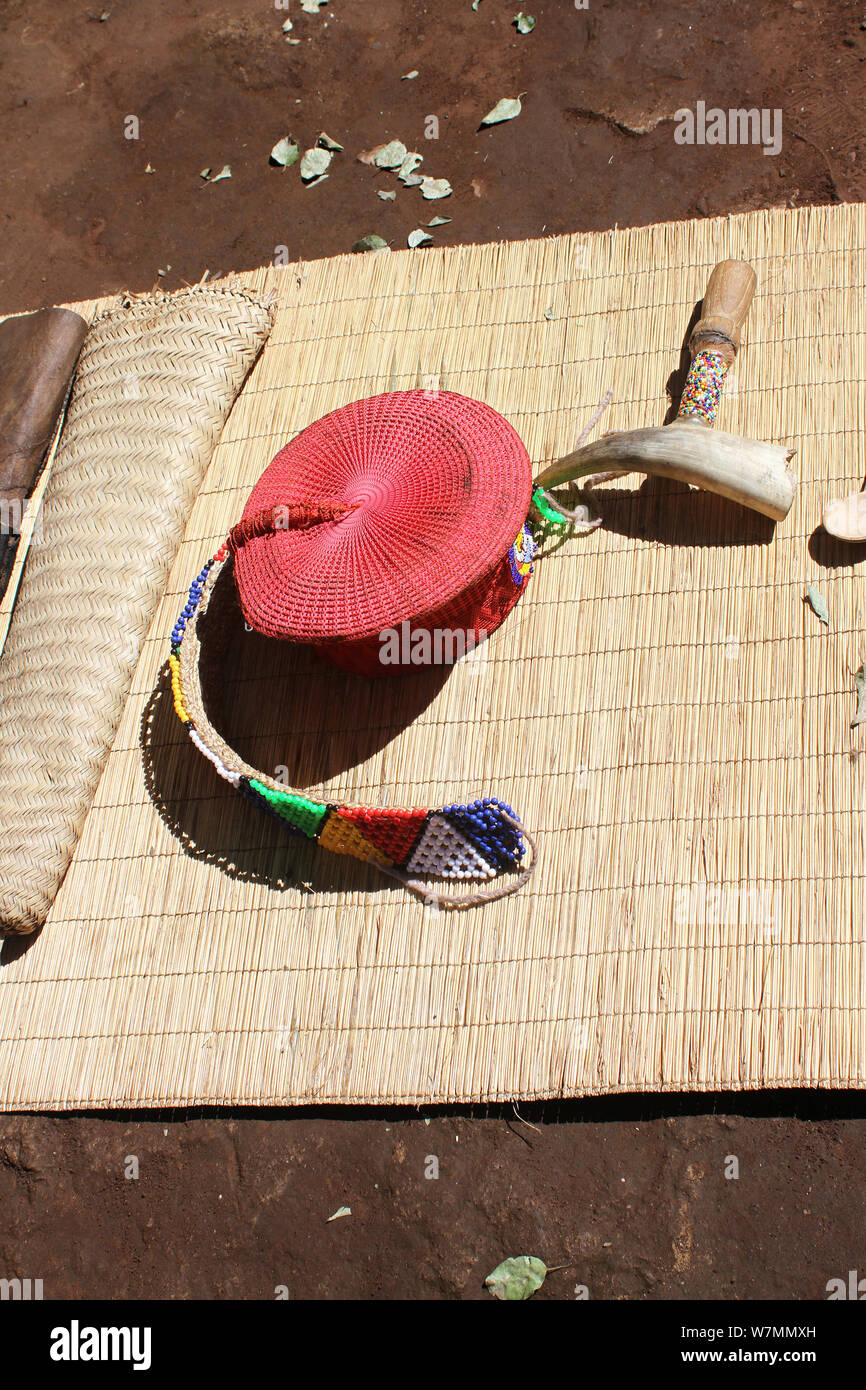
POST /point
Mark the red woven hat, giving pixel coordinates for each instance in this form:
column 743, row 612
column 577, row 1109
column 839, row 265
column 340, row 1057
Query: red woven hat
column 398, row 507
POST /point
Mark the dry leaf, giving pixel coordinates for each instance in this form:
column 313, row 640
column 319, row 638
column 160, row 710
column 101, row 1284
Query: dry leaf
column 372, row 242
column 860, row 687
column 435, row 188
column 504, row 110
column 517, row 1278
column 524, row 23
column 818, row 604
column 390, row 156
column 284, row 153
column 314, row 164
column 409, row 165
column 418, row 237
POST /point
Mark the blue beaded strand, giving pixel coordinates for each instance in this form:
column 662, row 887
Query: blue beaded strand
column 482, row 825
column 192, row 603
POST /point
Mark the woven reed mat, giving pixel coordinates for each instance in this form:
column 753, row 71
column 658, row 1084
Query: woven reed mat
column 662, row 708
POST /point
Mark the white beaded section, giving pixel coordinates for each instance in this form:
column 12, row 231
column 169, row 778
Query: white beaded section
column 233, row 777
column 443, row 852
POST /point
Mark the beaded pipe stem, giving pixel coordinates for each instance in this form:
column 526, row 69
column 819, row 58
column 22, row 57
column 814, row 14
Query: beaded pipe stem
column 703, row 389
column 476, row 841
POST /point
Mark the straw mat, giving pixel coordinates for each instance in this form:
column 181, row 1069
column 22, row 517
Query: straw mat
column 663, row 710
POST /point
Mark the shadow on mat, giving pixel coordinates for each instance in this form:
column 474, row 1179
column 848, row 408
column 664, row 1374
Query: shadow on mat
column 799, row 1103
column 831, row 553
column 289, row 714
column 12, row 948
column 672, row 513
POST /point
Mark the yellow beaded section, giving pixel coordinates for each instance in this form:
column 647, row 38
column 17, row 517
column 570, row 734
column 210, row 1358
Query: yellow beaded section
column 177, row 691
column 342, row 837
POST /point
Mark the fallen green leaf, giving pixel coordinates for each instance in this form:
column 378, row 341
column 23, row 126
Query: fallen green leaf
column 517, row 1278
column 548, row 313
column 524, row 23
column 387, row 195
column 284, row 153
column 312, row 6
column 203, row 173
column 418, row 237
column 860, row 687
column 475, row 4
column 818, row 604
column 504, row 110
column 371, row 243
column 407, row 76
column 438, row 221
column 326, row 143
column 287, row 26
column 435, row 188
column 314, row 164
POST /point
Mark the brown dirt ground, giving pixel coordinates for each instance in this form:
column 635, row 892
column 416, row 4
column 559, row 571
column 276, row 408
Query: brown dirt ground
column 629, row 1193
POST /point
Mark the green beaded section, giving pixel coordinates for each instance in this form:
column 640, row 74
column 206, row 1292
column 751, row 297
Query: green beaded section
column 544, row 509
column 297, row 810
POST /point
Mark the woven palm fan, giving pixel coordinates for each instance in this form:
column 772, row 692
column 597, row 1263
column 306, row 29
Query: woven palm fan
column 383, row 527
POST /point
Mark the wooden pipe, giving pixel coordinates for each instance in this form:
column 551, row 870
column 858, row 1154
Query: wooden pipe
column 747, row 471
column 726, row 303
column 38, row 353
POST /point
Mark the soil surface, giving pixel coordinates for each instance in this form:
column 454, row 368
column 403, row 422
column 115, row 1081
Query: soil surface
column 636, row 1196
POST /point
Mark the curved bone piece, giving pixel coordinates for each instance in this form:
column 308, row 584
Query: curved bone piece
column 747, row 471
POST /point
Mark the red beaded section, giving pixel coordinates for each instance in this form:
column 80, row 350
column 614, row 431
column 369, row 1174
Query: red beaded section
column 393, row 831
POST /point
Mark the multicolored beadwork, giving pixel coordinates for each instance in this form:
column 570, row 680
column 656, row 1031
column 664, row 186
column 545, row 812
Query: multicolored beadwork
column 703, row 389
column 521, row 555
column 473, row 841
